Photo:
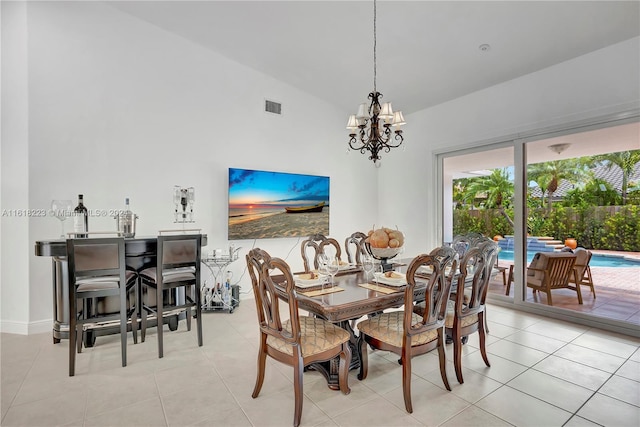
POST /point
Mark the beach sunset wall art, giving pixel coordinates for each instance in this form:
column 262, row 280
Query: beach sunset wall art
column 265, row 205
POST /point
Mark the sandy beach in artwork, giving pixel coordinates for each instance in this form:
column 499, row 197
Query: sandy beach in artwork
column 282, row 225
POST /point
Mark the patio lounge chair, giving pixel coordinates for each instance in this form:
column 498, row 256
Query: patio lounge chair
column 582, row 270
column 552, row 270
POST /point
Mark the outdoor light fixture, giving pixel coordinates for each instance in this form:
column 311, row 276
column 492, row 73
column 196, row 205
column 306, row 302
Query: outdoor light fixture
column 371, row 128
column 559, row 148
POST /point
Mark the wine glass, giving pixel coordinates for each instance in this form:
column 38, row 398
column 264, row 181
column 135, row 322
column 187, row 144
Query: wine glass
column 333, row 265
column 61, row 209
column 367, row 265
column 378, row 271
column 398, row 259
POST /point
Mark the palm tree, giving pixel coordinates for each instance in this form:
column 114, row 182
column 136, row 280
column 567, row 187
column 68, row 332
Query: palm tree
column 626, row 161
column 549, row 174
column 497, row 189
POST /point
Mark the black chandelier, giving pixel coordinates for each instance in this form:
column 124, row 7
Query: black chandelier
column 371, row 129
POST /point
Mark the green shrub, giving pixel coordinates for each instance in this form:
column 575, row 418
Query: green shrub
column 606, row 228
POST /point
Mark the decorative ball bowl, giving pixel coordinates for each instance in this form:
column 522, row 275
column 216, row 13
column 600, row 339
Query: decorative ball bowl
column 381, row 253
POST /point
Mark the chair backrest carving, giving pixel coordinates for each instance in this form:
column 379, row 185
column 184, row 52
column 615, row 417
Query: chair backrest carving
column 316, row 244
column 474, row 277
column 355, row 242
column 437, row 290
column 261, row 267
column 462, row 243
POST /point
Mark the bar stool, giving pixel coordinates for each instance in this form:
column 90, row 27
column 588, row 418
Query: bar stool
column 178, row 266
column 96, row 268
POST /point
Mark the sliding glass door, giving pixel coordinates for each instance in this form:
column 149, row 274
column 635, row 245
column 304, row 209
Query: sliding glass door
column 549, row 194
column 478, row 189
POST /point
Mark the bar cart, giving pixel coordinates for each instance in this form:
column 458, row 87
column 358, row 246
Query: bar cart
column 220, row 296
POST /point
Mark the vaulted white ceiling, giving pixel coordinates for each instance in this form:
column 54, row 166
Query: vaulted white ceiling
column 427, row 53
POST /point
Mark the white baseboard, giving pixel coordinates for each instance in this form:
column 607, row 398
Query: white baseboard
column 25, row 328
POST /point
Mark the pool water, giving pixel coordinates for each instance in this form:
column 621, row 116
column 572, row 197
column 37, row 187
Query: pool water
column 597, row 260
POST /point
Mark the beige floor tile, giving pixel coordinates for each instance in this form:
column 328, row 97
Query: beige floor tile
column 501, row 370
column 377, row 412
column 432, row 405
column 148, row 413
column 333, row 402
column 278, row 409
column 589, row 357
column 62, row 408
column 228, row 418
column 183, row 378
column 514, row 319
column 201, row 402
column 577, row 421
column 521, row 409
column 557, row 329
column 535, row 341
column 555, row 391
column 475, row 386
column 108, row 392
column 630, row 369
column 608, row 411
column 516, row 353
column 498, row 330
column 610, row 344
column 622, row 389
column 475, row 417
column 576, row 373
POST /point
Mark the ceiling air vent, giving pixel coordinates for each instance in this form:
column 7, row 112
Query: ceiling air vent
column 272, row 107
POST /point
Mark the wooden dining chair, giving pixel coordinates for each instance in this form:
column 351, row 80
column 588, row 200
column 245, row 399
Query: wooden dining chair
column 298, row 341
column 406, row 333
column 466, row 312
column 312, row 247
column 96, row 270
column 354, row 247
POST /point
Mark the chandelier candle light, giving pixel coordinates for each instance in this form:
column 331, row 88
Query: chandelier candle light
column 370, row 129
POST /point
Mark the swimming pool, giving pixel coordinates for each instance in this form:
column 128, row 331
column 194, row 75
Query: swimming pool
column 597, row 260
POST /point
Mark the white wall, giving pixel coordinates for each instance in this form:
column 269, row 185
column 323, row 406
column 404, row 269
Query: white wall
column 594, row 85
column 119, row 108
column 14, row 152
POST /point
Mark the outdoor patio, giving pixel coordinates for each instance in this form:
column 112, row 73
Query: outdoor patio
column 617, row 292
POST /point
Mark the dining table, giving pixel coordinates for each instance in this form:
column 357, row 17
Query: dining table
column 353, row 294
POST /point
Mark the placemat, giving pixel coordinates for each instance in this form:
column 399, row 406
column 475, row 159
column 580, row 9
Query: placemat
column 321, row 291
column 382, row 289
column 350, row 270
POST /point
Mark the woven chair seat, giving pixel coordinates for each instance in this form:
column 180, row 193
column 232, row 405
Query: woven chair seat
column 451, row 313
column 316, row 335
column 388, row 327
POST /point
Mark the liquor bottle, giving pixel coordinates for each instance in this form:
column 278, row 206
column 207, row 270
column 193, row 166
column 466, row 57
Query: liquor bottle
column 80, row 218
column 125, row 220
column 227, row 291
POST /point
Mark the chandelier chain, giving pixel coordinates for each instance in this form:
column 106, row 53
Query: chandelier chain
column 375, row 40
